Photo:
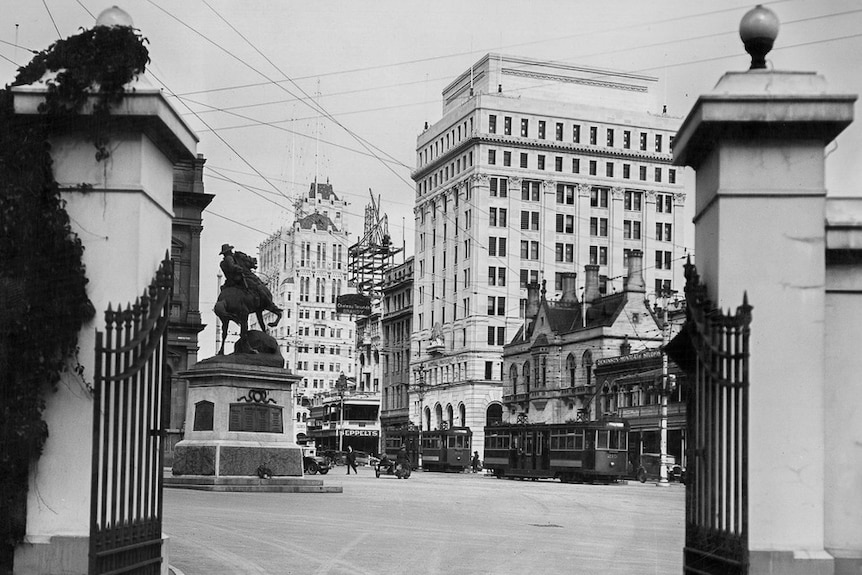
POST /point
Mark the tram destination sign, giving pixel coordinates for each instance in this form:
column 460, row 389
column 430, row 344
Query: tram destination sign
column 354, row 304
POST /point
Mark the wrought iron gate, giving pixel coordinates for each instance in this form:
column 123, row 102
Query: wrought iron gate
column 714, row 350
column 128, row 433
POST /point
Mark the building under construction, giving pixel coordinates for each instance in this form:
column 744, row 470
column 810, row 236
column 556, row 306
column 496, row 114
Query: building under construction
column 372, row 255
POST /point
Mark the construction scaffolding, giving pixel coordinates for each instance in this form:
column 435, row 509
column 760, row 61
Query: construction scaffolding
column 371, row 256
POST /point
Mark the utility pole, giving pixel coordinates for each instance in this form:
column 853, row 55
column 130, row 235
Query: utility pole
column 341, row 386
column 420, row 391
column 664, row 392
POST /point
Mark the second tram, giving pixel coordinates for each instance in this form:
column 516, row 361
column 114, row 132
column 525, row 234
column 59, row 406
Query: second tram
column 441, row 450
column 570, row 452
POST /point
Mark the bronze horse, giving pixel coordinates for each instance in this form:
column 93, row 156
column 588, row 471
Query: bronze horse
column 236, row 303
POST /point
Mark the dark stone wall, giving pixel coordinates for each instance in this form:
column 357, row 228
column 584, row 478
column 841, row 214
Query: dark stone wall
column 194, row 460
column 246, row 460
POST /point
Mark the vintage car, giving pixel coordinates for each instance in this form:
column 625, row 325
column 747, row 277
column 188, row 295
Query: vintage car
column 313, row 463
column 649, row 468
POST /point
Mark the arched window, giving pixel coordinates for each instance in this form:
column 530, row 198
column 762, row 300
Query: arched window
column 450, row 415
column 513, row 375
column 494, row 414
column 570, row 370
column 587, row 361
column 525, row 373
column 462, row 415
column 438, row 416
column 541, row 367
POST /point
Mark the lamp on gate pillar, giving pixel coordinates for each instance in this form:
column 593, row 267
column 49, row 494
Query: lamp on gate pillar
column 421, row 387
column 666, row 387
column 758, row 31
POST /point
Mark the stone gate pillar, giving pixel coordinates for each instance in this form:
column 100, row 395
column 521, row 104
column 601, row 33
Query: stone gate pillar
column 123, row 217
column 757, row 143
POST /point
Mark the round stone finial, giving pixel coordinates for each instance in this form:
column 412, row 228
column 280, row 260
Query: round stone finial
column 114, row 16
column 758, row 30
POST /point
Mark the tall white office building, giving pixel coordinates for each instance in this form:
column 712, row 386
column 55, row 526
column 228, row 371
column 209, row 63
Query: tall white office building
column 535, row 169
column 305, row 266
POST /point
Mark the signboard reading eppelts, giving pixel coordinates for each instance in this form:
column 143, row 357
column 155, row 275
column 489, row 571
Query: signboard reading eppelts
column 354, row 304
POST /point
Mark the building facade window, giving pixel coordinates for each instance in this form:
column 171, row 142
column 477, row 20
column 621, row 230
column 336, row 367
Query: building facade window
column 632, row 200
column 599, row 197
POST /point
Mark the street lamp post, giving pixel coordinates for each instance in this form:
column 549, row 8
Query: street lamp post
column 664, row 391
column 420, row 391
column 341, row 387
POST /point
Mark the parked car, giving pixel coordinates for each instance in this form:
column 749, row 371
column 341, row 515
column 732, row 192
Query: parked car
column 649, row 468
column 363, row 458
column 313, row 463
column 337, row 457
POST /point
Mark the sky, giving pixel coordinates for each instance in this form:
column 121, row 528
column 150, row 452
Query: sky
column 281, row 91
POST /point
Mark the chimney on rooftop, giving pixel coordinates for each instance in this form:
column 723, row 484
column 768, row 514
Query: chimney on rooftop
column 570, row 286
column 591, row 287
column 635, row 280
column 532, row 301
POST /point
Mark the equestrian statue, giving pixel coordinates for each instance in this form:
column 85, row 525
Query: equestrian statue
column 242, row 294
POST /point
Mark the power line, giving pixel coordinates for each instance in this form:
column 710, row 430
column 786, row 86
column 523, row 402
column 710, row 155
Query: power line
column 225, row 142
column 468, row 53
column 85, row 9
column 51, row 16
column 273, row 124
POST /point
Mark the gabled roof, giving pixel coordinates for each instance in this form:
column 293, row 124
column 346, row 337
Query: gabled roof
column 324, row 191
column 604, row 311
column 564, row 319
column 318, row 220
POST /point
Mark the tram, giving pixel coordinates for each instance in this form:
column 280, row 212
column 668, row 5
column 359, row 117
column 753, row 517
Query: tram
column 571, row 452
column 442, row 449
column 393, row 440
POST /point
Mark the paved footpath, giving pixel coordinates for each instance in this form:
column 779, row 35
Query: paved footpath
column 431, row 523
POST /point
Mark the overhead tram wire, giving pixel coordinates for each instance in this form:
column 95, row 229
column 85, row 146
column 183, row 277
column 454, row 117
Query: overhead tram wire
column 317, row 106
column 580, row 56
column 273, row 124
column 508, row 46
column 85, row 9
column 238, row 223
column 362, row 141
column 252, row 189
column 273, row 102
column 271, row 80
column 51, row 16
column 225, row 142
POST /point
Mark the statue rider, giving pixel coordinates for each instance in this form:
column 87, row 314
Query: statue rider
column 237, row 272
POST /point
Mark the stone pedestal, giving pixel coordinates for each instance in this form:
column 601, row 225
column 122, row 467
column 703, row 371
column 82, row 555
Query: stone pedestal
column 239, row 421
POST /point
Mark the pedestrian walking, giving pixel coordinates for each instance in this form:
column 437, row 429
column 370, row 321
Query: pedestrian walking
column 475, row 461
column 351, row 460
